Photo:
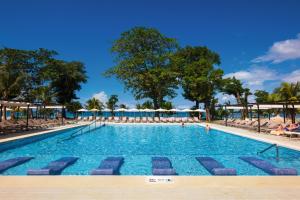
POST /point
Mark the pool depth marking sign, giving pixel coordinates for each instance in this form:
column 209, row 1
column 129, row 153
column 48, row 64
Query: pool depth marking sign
column 159, row 179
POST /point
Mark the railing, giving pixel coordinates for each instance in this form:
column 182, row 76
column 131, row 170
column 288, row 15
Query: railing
column 80, row 131
column 269, row 147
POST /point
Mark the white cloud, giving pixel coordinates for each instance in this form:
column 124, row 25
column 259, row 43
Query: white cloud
column 292, row 77
column 282, row 51
column 254, row 77
column 102, row 96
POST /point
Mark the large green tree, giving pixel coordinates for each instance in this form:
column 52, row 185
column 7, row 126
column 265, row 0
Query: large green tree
column 200, row 80
column 143, row 64
column 261, row 96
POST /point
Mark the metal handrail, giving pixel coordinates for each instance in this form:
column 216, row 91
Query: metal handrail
column 81, row 130
column 269, row 147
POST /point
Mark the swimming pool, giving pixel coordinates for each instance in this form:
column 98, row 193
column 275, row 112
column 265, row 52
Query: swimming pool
column 139, row 143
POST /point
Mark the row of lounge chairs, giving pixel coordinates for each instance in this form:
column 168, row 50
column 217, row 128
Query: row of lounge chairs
column 143, row 119
column 267, row 126
column 160, row 166
column 12, row 126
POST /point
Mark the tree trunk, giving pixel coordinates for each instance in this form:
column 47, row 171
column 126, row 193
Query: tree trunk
column 207, row 114
column 239, row 101
column 4, row 113
column 197, row 104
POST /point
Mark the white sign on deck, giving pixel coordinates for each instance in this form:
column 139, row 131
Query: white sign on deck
column 159, row 179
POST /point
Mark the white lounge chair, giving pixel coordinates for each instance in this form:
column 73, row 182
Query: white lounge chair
column 177, row 119
column 196, row 119
column 116, row 119
column 156, row 119
column 150, row 120
column 184, row 119
column 137, row 119
column 144, row 119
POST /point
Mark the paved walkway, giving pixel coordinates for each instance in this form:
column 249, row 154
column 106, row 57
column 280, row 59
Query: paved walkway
column 280, row 140
column 136, row 187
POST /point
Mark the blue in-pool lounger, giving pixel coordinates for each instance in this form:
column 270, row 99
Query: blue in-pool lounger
column 162, row 166
column 109, row 166
column 268, row 167
column 6, row 164
column 55, row 167
column 214, row 167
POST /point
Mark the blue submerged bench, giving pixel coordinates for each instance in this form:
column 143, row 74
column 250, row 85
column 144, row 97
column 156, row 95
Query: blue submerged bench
column 6, row 164
column 54, row 168
column 109, row 166
column 162, row 166
column 268, row 167
column 214, row 167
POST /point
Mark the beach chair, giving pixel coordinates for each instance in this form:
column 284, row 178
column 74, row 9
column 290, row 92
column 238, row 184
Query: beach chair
column 268, row 167
column 171, row 119
column 138, row 120
column 214, row 167
column 7, row 164
column 55, row 167
column 177, row 119
column 163, row 119
column 124, row 119
column 131, row 119
column 109, row 166
column 116, row 119
column 150, row 119
column 162, row 166
column 190, row 120
column 184, row 119
column 144, row 119
column 196, row 119
column 156, row 119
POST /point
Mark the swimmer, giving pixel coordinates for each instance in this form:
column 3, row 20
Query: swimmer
column 182, row 124
column 207, row 128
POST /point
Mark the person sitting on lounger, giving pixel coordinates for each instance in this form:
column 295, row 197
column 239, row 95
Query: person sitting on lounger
column 292, row 127
column 279, row 130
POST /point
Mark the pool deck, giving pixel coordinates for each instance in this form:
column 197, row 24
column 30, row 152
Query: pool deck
column 136, row 187
column 139, row 187
column 273, row 139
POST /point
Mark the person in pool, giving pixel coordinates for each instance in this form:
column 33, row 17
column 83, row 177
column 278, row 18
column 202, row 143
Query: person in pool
column 207, row 128
column 182, row 124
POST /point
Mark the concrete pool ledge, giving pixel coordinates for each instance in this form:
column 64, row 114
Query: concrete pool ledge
column 135, row 187
column 42, row 132
column 263, row 137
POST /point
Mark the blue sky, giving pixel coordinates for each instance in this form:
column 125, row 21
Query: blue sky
column 258, row 41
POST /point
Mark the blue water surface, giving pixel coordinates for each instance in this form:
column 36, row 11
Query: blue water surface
column 138, row 143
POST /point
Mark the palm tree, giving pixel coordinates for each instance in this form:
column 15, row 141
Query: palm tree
column 289, row 92
column 112, row 103
column 94, row 104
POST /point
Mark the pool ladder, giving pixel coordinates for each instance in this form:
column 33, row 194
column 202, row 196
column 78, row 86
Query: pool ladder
column 269, row 147
column 80, row 131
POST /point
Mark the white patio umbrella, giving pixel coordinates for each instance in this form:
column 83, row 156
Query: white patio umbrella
column 82, row 110
column 199, row 110
column 94, row 110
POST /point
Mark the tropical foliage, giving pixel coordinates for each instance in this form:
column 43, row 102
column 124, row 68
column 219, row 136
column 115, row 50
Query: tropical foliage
column 143, row 64
column 36, row 76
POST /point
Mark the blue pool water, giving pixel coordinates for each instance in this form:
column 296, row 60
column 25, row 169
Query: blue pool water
column 138, row 143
